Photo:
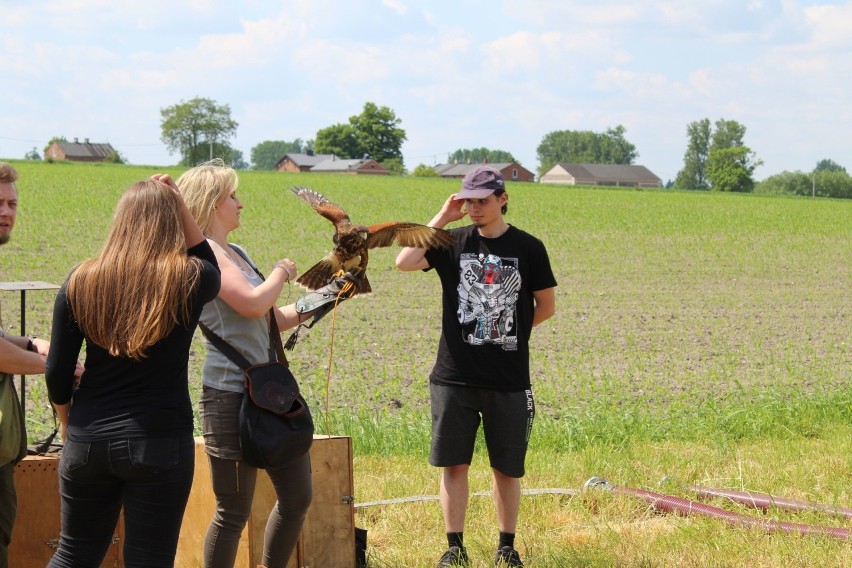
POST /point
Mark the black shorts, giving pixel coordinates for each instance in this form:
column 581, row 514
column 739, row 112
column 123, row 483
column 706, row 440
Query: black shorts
column 507, row 419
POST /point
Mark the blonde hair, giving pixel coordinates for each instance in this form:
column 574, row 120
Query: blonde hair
column 137, row 290
column 205, row 186
column 8, row 174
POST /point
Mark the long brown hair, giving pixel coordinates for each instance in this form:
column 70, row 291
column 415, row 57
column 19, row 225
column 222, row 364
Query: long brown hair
column 138, row 288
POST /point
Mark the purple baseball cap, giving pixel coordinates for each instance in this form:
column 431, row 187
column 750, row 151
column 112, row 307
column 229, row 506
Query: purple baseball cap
column 480, row 182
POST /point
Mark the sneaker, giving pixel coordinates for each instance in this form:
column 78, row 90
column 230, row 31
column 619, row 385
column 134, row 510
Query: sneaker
column 454, row 556
column 507, row 556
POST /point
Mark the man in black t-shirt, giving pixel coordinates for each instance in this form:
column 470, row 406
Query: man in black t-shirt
column 497, row 285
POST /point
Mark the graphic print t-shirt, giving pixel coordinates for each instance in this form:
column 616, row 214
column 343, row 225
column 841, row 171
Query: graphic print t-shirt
column 488, row 307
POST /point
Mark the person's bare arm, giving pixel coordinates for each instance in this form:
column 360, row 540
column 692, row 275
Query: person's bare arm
column 15, row 359
column 545, row 305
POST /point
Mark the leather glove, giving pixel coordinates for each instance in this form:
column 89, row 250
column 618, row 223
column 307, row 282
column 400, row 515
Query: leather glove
column 323, row 300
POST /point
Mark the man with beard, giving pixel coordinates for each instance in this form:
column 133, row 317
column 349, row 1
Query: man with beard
column 18, row 354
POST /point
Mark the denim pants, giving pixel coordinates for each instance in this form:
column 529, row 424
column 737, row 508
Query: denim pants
column 150, row 478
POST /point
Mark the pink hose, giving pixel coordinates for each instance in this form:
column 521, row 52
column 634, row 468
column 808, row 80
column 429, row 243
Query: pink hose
column 685, row 507
column 765, row 501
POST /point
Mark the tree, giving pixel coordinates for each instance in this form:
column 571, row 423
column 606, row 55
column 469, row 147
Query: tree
column 825, row 183
column 265, row 156
column 193, row 128
column 694, row 172
column 615, row 149
column 733, row 162
column 831, row 183
column 480, row 156
column 341, row 140
column 374, row 132
column 378, row 129
column 585, row 147
column 727, row 169
column 829, row 166
column 232, row 156
column 422, row 170
column 785, row 183
column 32, row 155
column 395, row 166
column 115, row 157
column 727, row 134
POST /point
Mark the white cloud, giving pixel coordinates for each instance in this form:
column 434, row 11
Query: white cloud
column 396, row 6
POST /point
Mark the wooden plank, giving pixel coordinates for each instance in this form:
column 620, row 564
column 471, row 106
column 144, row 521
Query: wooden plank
column 36, row 532
column 329, row 530
column 328, row 536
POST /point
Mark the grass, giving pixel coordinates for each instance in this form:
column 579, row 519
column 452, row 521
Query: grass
column 700, row 336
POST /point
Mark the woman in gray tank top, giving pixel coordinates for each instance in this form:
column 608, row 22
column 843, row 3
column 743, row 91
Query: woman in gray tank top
column 239, row 316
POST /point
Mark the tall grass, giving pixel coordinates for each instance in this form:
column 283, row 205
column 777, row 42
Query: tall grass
column 698, row 335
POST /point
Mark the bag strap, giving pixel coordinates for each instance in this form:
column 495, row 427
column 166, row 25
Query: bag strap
column 275, row 339
column 276, row 349
column 235, row 356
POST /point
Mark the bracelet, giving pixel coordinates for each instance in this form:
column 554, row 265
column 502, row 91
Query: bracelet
column 30, row 346
column 285, row 269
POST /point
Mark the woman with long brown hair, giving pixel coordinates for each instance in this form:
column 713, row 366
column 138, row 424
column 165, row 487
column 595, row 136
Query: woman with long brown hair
column 128, row 424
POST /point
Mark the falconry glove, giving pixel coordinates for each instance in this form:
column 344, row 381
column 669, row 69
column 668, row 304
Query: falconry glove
column 322, row 300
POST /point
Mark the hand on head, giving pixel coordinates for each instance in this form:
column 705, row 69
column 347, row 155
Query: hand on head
column 453, row 209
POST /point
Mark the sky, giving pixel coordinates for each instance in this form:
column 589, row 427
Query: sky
column 499, row 74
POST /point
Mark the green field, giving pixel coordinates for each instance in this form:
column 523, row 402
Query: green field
column 698, row 335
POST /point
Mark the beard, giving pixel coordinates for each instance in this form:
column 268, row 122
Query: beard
column 5, row 238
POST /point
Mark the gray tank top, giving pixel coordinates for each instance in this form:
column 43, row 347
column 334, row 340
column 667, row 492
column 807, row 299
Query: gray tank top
column 249, row 336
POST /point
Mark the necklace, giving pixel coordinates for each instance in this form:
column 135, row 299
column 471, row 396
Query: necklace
column 235, row 257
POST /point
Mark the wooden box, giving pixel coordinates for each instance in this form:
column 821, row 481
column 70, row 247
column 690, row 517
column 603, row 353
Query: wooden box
column 328, row 535
column 36, row 533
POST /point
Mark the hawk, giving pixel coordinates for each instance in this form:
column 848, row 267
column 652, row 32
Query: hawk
column 351, row 242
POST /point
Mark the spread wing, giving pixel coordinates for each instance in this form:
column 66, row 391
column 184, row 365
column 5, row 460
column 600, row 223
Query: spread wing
column 324, row 207
column 321, row 273
column 408, row 235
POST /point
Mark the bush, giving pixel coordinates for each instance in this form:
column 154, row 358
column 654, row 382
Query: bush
column 820, row 184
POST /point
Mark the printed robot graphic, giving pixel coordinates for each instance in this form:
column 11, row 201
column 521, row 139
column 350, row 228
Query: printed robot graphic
column 488, row 295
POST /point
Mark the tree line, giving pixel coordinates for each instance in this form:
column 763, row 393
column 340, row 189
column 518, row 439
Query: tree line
column 716, row 157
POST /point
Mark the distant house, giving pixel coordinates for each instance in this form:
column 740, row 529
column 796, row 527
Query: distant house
column 297, row 162
column 363, row 166
column 512, row 171
column 77, row 151
column 621, row 175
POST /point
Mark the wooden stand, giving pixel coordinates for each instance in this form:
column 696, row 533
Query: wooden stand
column 328, row 535
column 36, row 533
column 327, row 539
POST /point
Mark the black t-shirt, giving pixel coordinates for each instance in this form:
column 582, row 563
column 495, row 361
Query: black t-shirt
column 120, row 397
column 488, row 307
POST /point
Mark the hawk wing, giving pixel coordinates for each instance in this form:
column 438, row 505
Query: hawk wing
column 324, row 207
column 321, row 273
column 407, row 235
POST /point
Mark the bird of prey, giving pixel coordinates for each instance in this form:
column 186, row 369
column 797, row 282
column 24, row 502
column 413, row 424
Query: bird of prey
column 351, row 242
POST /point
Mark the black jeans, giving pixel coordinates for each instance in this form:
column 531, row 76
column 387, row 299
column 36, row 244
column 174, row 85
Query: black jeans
column 149, row 477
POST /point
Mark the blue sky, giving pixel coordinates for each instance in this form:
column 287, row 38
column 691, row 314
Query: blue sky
column 459, row 74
